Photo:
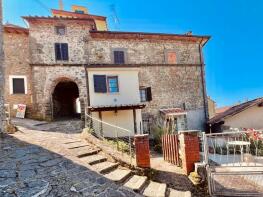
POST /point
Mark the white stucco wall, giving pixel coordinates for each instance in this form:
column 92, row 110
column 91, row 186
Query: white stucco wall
column 128, row 94
column 128, row 87
column 249, row 118
column 123, row 119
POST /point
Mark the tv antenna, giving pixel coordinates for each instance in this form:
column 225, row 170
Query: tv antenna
column 114, row 16
column 61, row 5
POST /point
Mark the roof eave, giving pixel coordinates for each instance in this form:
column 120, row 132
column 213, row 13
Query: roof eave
column 203, row 39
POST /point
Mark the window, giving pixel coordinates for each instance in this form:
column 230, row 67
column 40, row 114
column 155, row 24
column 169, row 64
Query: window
column 112, row 83
column 79, row 11
column 104, row 84
column 119, row 57
column 146, row 124
column 18, row 84
column 100, row 83
column 61, row 51
column 171, row 57
column 60, row 30
column 145, row 94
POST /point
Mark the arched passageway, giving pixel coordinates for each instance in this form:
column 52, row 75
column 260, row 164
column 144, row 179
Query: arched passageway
column 65, row 100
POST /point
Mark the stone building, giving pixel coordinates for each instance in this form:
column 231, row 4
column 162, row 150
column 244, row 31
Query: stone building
column 63, row 55
column 18, row 84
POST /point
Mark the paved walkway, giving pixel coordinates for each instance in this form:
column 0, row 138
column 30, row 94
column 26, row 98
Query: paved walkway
column 33, row 163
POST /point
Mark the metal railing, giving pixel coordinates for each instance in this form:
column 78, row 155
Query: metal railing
column 117, row 137
column 234, row 148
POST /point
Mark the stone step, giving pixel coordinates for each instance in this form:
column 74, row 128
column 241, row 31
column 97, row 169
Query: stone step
column 118, row 175
column 155, row 189
column 104, row 167
column 176, row 193
column 136, row 183
column 84, row 151
column 70, row 141
column 76, row 145
column 94, row 159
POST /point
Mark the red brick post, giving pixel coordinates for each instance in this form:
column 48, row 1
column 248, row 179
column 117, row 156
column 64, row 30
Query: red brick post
column 142, row 150
column 189, row 145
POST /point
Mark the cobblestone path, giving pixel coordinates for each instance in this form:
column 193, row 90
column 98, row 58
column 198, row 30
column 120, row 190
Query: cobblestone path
column 33, row 163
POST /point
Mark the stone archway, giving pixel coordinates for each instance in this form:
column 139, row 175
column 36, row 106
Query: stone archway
column 64, row 100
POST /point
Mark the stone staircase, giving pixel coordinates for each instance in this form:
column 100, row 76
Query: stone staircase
column 121, row 175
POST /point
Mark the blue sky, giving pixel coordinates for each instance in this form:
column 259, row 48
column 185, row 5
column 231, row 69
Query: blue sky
column 233, row 56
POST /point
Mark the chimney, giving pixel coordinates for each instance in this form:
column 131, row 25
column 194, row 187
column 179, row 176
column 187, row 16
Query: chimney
column 61, row 6
column 189, row 33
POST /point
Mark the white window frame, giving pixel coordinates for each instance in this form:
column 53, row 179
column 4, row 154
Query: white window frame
column 11, row 77
column 145, row 94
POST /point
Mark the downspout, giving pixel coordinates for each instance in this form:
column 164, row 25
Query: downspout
column 87, row 85
column 203, row 80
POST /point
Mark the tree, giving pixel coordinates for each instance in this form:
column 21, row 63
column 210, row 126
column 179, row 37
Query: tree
column 2, row 108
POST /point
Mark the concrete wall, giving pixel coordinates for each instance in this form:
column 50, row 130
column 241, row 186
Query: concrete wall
column 249, row 118
column 16, row 47
column 128, row 87
column 122, row 119
column 43, row 37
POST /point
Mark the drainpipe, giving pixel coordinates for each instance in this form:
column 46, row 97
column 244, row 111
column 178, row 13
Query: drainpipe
column 203, row 80
column 87, row 85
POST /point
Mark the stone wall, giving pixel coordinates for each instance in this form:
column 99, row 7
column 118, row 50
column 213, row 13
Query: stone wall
column 45, row 79
column 175, row 86
column 16, row 49
column 43, row 37
column 2, row 114
column 144, row 51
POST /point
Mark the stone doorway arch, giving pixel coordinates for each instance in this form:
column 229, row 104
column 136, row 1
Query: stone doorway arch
column 64, row 100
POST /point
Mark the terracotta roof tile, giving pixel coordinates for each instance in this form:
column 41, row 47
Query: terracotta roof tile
column 235, row 110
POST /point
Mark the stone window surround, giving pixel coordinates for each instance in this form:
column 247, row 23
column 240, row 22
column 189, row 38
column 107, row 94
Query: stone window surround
column 119, row 49
column 166, row 51
column 62, row 61
column 11, row 77
column 60, row 25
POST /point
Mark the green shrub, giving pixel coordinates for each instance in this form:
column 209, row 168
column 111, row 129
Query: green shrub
column 157, row 139
column 121, row 145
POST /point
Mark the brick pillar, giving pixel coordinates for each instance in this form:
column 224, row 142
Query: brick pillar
column 189, row 146
column 142, row 150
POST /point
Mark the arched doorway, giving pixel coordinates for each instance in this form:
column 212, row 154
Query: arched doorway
column 65, row 100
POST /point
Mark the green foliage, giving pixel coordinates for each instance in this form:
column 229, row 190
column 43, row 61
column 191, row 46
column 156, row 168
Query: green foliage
column 121, row 145
column 256, row 147
column 157, row 139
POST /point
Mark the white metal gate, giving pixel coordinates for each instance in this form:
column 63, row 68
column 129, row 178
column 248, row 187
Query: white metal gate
column 234, row 163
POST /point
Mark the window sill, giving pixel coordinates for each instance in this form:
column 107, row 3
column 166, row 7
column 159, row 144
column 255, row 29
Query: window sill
column 62, row 61
column 108, row 93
